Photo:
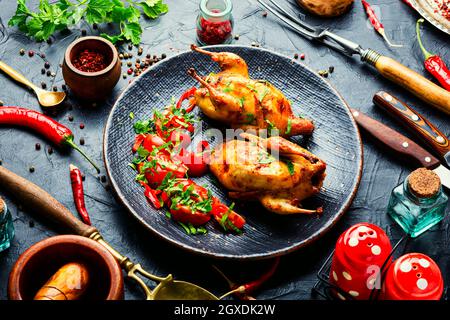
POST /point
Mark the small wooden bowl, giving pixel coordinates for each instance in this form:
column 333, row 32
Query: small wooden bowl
column 39, row 262
column 92, row 86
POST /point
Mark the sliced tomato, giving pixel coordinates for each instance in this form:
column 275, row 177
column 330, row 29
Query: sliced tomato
column 137, row 142
column 184, row 214
column 186, row 95
column 196, row 163
column 151, row 141
column 152, row 196
column 219, row 209
column 180, row 138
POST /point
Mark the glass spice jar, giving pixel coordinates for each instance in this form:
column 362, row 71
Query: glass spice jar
column 215, row 22
column 418, row 203
column 6, row 226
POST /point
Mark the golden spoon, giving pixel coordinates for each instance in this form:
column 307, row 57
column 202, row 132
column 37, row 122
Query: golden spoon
column 46, row 98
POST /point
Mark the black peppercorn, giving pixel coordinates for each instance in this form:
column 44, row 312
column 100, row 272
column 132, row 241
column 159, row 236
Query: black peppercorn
column 83, row 177
column 142, row 65
column 81, row 125
column 236, row 37
column 83, row 32
column 103, row 179
column 82, row 141
column 264, row 14
column 140, row 50
column 43, row 71
column 49, row 73
column 331, row 69
column 71, row 118
column 1, row 162
column 130, row 46
column 47, row 65
column 31, row 169
column 50, row 150
column 95, row 26
column 55, row 88
column 42, row 55
column 49, row 40
column 43, row 85
column 163, row 56
column 64, row 87
column 30, row 53
column 296, row 56
column 38, row 146
column 148, row 56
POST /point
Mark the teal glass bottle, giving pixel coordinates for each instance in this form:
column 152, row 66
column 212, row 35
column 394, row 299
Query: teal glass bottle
column 6, row 227
column 415, row 212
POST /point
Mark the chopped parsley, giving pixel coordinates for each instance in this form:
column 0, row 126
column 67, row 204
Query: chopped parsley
column 290, row 166
column 249, row 118
column 289, row 126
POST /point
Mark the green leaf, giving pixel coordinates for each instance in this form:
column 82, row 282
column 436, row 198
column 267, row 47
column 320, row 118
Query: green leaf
column 289, row 126
column 97, row 10
column 120, row 14
column 154, row 8
column 20, row 17
column 132, row 31
column 113, row 39
column 290, row 166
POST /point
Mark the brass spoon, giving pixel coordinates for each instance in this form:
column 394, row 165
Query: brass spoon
column 46, row 98
column 40, row 202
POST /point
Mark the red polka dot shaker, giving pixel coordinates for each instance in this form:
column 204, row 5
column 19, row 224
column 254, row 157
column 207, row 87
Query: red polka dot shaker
column 413, row 276
column 359, row 256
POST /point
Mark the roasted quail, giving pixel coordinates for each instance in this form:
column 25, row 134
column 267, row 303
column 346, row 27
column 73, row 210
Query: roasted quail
column 231, row 97
column 249, row 171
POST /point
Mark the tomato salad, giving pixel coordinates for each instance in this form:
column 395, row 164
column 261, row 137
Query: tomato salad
column 164, row 162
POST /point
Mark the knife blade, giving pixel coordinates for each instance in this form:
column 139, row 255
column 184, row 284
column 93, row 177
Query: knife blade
column 416, row 123
column 401, row 145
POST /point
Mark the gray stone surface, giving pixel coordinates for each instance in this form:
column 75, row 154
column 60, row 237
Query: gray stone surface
column 173, row 33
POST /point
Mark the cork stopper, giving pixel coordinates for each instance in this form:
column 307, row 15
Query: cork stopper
column 424, row 183
column 2, row 205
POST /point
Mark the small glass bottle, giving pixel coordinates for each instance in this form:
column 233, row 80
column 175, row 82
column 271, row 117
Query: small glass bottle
column 215, row 22
column 6, row 226
column 418, row 203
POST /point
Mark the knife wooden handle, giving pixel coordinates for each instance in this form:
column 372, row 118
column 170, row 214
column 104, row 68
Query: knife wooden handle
column 395, row 141
column 418, row 85
column 41, row 203
column 415, row 122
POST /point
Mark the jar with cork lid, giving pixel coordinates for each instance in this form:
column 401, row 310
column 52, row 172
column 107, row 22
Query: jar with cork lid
column 6, row 226
column 419, row 202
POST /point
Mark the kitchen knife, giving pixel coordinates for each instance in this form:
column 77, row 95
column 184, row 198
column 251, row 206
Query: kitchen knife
column 401, row 145
column 414, row 121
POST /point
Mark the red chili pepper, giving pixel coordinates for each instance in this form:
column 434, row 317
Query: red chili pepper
column 243, row 291
column 376, row 23
column 433, row 63
column 49, row 128
column 186, row 95
column 76, row 180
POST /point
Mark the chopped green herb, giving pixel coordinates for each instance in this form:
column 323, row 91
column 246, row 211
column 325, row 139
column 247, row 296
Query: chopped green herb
column 263, row 94
column 289, row 126
column 168, row 215
column 131, row 115
column 185, row 227
column 250, row 117
column 224, row 219
column 242, row 101
column 290, row 166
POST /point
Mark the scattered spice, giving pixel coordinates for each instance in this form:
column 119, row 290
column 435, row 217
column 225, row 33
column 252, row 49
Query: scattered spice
column 303, row 56
column 31, row 53
column 55, row 88
column 82, row 126
column 264, row 14
column 83, row 32
column 296, row 56
column 42, row 55
column 95, row 26
column 90, row 61
column 236, row 37
column 31, row 223
column 50, row 150
column 130, row 46
column 49, row 73
column 31, row 169
column 43, row 85
column 82, row 141
column 52, row 74
column 1, row 103
column 22, row 52
column 38, row 146
column 121, row 56
column 125, row 55
column 43, row 71
column 323, row 73
column 70, row 118
column 124, row 75
column 130, row 71
column 163, row 56
column 103, row 179
column 140, row 51
column 331, row 69
column 378, row 26
column 64, row 87
column 47, row 65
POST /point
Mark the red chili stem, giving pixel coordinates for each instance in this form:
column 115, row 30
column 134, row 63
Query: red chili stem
column 40, row 123
column 78, row 193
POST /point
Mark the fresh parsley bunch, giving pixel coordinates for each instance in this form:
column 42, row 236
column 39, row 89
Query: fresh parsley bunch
column 64, row 13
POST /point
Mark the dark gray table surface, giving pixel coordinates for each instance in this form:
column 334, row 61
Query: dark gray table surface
column 170, row 34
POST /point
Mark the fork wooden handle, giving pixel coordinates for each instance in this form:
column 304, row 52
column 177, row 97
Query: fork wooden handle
column 418, row 85
column 41, row 203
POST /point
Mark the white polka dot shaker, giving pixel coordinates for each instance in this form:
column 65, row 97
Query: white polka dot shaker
column 413, row 276
column 360, row 253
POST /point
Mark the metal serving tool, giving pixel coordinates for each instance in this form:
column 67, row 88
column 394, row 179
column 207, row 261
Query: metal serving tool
column 388, row 67
column 46, row 98
column 40, row 202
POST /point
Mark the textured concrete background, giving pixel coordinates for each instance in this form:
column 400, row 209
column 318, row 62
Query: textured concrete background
column 173, row 33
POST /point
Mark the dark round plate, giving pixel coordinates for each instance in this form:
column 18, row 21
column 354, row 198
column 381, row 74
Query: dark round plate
column 336, row 140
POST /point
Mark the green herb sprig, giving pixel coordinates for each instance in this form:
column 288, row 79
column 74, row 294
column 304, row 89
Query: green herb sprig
column 62, row 14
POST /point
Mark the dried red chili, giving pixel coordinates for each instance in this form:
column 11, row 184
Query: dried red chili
column 90, row 61
column 76, row 180
column 434, row 63
column 376, row 23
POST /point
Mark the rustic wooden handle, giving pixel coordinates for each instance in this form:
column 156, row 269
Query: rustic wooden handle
column 40, row 202
column 395, row 141
column 415, row 122
column 423, row 88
